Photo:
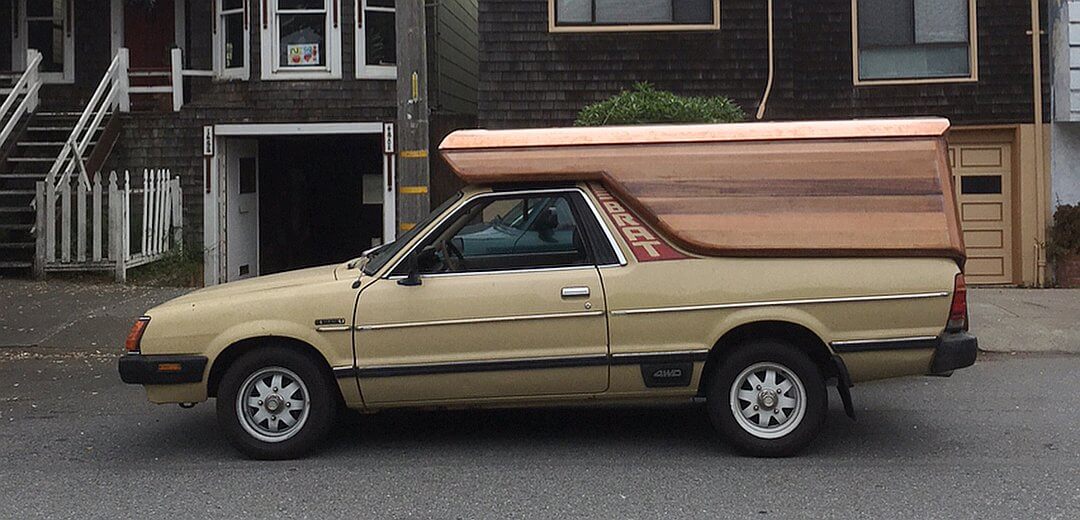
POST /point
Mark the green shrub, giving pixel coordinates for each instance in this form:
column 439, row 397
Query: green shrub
column 1064, row 236
column 646, row 105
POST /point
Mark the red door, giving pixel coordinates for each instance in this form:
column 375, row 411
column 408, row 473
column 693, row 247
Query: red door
column 149, row 33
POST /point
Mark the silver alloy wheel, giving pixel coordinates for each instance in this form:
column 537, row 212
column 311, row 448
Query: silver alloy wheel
column 273, row 404
column 768, row 400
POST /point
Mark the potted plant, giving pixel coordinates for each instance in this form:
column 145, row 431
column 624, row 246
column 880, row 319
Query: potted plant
column 1063, row 245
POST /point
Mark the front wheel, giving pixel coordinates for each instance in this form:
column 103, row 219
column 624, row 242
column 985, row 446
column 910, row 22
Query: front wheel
column 275, row 403
column 768, row 399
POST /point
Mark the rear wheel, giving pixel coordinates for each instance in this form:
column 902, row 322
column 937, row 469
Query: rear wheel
column 768, row 399
column 275, row 403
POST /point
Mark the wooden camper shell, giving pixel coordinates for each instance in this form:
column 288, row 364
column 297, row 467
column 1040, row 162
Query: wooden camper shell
column 813, row 189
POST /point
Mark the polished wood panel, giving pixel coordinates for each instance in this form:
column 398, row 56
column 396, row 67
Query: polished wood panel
column 713, row 192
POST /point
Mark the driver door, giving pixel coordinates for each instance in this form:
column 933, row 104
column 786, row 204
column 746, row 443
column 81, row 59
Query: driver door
column 508, row 305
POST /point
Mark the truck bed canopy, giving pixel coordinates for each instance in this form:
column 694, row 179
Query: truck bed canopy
column 838, row 188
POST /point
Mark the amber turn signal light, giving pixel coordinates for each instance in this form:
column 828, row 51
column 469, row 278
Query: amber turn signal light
column 134, row 338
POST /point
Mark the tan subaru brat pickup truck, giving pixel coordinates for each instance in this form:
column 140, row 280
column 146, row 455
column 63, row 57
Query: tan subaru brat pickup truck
column 749, row 266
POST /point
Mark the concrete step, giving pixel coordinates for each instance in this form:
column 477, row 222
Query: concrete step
column 38, row 144
column 32, row 159
column 16, row 227
column 9, row 210
column 16, row 245
column 16, row 265
column 37, row 176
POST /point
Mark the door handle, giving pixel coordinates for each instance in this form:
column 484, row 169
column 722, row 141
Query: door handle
column 573, row 292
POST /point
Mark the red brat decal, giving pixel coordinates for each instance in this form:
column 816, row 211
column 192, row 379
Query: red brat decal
column 646, row 245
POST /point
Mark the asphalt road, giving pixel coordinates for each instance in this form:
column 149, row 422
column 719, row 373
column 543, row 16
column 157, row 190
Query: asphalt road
column 999, row 440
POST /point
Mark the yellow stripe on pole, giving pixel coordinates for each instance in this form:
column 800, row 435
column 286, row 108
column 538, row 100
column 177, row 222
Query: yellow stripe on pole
column 413, row 190
column 413, row 154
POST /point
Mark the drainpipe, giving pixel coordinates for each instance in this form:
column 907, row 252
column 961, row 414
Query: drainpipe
column 769, row 83
column 1040, row 180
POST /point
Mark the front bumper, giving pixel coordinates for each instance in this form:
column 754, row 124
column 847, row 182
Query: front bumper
column 138, row 369
column 953, row 351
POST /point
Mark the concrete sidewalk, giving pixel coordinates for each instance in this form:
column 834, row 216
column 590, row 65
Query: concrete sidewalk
column 83, row 316
column 73, row 315
column 1026, row 320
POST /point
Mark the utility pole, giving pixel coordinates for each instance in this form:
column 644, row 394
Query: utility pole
column 413, row 201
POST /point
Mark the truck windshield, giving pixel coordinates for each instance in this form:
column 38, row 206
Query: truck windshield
column 380, row 256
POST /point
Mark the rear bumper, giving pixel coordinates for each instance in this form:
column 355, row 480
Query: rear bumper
column 954, row 351
column 138, row 369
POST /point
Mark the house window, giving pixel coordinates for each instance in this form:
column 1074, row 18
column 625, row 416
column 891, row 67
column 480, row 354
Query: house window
column 914, row 40
column 301, row 39
column 633, row 15
column 231, row 39
column 376, row 39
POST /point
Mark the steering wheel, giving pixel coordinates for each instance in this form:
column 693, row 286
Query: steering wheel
column 453, row 260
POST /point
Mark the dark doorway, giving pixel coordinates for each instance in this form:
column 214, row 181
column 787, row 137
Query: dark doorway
column 311, row 200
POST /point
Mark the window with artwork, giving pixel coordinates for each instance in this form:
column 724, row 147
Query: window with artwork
column 302, row 39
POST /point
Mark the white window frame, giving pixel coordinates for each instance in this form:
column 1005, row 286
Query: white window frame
column 20, row 39
column 243, row 72
column 363, row 70
column 271, row 44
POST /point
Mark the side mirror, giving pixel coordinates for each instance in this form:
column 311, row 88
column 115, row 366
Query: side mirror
column 424, row 260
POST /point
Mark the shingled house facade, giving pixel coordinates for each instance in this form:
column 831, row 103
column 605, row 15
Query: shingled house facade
column 973, row 61
column 273, row 113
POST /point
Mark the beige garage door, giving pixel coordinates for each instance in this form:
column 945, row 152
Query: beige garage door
column 982, row 179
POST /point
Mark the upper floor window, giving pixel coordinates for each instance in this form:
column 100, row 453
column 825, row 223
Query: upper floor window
column 376, row 39
column 914, row 41
column 301, row 39
column 632, row 15
column 231, row 34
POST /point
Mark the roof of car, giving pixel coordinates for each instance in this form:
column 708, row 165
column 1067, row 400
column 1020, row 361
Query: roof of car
column 831, row 188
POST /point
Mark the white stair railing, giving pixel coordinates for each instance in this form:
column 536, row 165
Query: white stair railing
column 112, row 94
column 26, row 88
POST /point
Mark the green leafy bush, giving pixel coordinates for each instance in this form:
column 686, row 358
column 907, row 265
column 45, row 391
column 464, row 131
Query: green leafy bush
column 1064, row 236
column 646, row 105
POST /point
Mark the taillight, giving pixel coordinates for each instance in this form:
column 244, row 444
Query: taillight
column 134, row 338
column 958, row 312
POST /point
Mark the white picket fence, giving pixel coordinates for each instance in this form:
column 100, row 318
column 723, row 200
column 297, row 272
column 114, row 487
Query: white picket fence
column 107, row 243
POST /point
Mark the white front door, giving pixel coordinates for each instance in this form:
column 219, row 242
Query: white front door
column 241, row 208
column 47, row 26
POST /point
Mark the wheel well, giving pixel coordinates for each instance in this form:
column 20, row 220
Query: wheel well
column 798, row 335
column 233, row 352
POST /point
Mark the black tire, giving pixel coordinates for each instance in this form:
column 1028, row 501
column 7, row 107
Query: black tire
column 312, row 429
column 793, row 437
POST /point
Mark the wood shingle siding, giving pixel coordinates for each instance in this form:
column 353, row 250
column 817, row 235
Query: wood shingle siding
column 533, row 78
column 173, row 140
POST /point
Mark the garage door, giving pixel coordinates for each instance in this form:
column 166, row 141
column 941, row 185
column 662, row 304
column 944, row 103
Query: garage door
column 982, row 179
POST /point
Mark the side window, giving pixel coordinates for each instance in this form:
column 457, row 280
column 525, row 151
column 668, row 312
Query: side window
column 506, row 233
